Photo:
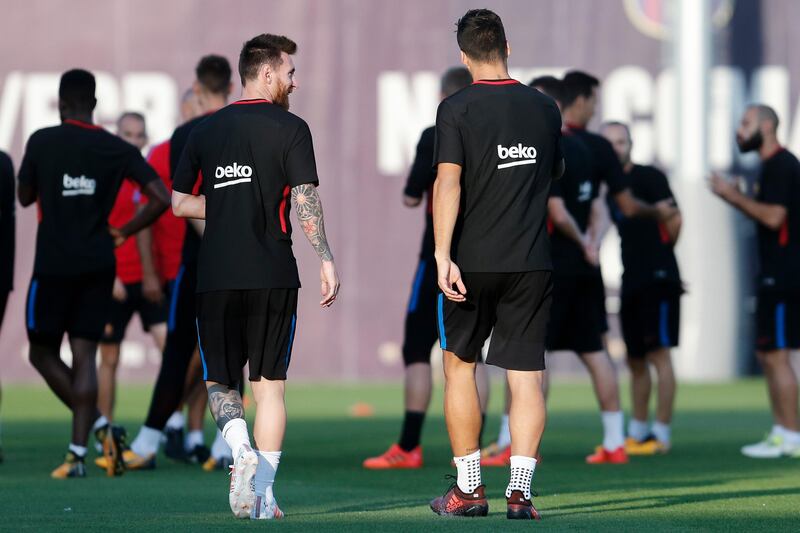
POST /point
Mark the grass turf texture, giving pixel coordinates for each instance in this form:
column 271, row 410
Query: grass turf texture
column 704, row 484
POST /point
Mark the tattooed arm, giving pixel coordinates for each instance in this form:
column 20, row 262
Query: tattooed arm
column 225, row 404
column 308, row 206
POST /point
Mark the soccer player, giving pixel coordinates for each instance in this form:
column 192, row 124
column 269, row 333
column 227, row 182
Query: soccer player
column 651, row 291
column 73, row 172
column 253, row 154
column 137, row 286
column 776, row 211
column 497, row 150
column 7, row 232
column 420, row 325
column 212, row 87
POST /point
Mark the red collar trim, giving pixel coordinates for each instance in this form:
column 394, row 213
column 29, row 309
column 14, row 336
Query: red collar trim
column 493, row 82
column 777, row 150
column 252, row 101
column 82, row 124
column 574, row 127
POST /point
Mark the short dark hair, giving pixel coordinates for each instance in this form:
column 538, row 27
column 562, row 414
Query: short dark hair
column 131, row 114
column 766, row 113
column 617, row 124
column 576, row 84
column 550, row 85
column 214, row 74
column 481, row 36
column 264, row 48
column 454, row 80
column 76, row 90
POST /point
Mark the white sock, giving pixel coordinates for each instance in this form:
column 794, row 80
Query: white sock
column 469, row 472
column 236, row 435
column 637, row 429
column 777, row 430
column 521, row 475
column 175, row 421
column 504, row 436
column 80, row 451
column 613, row 429
column 100, row 422
column 662, row 432
column 265, row 474
column 194, row 438
column 146, row 442
column 220, row 448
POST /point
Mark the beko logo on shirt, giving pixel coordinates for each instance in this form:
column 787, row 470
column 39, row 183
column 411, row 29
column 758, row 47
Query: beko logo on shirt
column 525, row 154
column 242, row 172
column 78, row 186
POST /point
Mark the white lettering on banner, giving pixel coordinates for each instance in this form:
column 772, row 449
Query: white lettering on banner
column 630, row 93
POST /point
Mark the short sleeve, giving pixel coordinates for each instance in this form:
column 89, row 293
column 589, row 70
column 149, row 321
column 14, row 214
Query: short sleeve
column 422, row 176
column 610, row 168
column 27, row 169
column 660, row 186
column 188, row 169
column 301, row 164
column 6, row 185
column 139, row 171
column 448, row 146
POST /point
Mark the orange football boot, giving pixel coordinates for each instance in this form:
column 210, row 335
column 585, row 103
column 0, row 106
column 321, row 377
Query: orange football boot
column 395, row 458
column 603, row 456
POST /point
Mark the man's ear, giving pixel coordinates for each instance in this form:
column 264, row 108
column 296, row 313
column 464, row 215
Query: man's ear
column 508, row 50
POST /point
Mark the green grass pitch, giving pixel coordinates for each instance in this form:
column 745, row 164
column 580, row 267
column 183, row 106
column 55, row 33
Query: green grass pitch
column 703, row 485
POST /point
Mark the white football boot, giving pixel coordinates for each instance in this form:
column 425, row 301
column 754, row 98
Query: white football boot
column 243, row 472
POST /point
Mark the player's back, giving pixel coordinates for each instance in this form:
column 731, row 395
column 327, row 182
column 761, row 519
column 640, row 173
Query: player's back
column 506, row 137
column 76, row 169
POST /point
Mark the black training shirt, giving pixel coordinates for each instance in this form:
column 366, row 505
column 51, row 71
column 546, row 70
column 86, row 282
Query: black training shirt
column 507, row 139
column 76, row 169
column 7, row 223
column 420, row 182
column 578, row 187
column 648, row 256
column 191, row 241
column 779, row 251
column 251, row 154
column 605, row 163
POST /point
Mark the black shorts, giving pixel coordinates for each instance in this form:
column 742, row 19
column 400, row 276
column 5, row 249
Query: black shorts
column 246, row 326
column 778, row 320
column 650, row 318
column 600, row 292
column 76, row 305
column 515, row 305
column 577, row 319
column 120, row 313
column 420, row 328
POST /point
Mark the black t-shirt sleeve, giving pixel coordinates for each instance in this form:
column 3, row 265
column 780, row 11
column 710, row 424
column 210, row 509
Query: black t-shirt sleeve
column 776, row 185
column 301, row 165
column 422, row 175
column 6, row 185
column 448, row 146
column 188, row 169
column 27, row 170
column 610, row 168
column 556, row 191
column 139, row 171
column 660, row 186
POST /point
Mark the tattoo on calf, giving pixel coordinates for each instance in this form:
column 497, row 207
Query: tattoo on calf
column 309, row 212
column 225, row 404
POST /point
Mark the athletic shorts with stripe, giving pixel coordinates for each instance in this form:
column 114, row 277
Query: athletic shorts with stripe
column 76, row 305
column 121, row 313
column 515, row 305
column 421, row 331
column 650, row 318
column 246, row 326
column 778, row 320
column 577, row 318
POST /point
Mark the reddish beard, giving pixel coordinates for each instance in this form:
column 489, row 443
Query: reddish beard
column 281, row 96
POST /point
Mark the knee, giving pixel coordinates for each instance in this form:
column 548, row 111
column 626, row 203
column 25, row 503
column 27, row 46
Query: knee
column 454, row 367
column 638, row 367
column 771, row 360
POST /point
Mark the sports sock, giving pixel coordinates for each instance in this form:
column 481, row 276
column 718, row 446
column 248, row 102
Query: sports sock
column 80, row 451
column 613, row 429
column 521, row 475
column 99, row 423
column 236, row 435
column 175, row 421
column 146, row 442
column 265, row 473
column 194, row 438
column 469, row 471
column 504, row 436
column 220, row 448
column 412, row 430
column 637, row 429
column 662, row 432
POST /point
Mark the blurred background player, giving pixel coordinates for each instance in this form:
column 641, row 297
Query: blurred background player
column 247, row 283
column 212, row 87
column 776, row 211
column 651, row 291
column 137, row 285
column 421, row 326
column 7, row 235
column 73, row 172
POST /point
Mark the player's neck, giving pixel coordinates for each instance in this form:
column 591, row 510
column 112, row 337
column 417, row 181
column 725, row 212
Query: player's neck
column 627, row 167
column 573, row 120
column 489, row 71
column 253, row 92
column 769, row 148
column 213, row 103
column 78, row 117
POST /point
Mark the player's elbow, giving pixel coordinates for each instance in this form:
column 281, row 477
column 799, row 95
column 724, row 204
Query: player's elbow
column 178, row 207
column 775, row 218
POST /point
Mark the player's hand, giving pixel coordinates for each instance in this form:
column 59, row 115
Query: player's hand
column 118, row 292
column 721, row 186
column 330, row 283
column 666, row 209
column 117, row 235
column 410, row 201
column 590, row 251
column 151, row 289
column 449, row 276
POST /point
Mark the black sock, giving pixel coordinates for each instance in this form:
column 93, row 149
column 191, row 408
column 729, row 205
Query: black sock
column 412, row 430
column 480, row 435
